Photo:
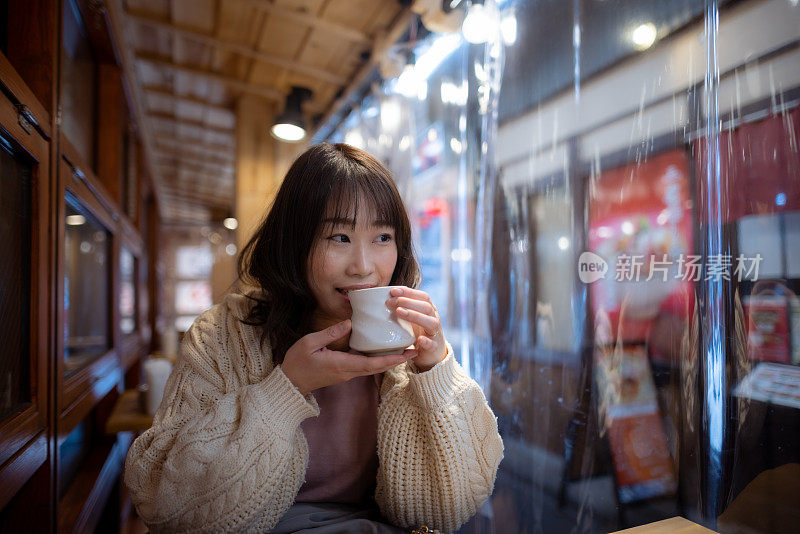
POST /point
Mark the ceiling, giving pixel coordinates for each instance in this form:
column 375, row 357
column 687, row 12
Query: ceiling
column 192, row 59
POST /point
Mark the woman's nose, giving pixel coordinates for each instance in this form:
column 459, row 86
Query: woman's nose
column 361, row 262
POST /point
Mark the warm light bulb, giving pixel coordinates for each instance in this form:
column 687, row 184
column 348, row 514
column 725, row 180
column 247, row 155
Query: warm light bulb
column 230, row 223
column 288, row 132
column 644, row 36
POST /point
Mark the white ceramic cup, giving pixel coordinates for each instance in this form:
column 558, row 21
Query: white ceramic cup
column 377, row 330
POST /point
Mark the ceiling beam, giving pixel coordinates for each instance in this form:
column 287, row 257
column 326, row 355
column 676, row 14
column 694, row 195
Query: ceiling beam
column 178, row 162
column 194, row 144
column 191, row 179
column 171, row 117
column 182, row 200
column 178, row 152
column 351, row 34
column 183, row 218
column 189, row 99
column 191, row 187
column 190, row 191
column 173, row 174
column 161, row 132
column 220, row 171
column 219, row 152
column 263, row 91
column 208, row 200
column 237, row 48
column 215, row 201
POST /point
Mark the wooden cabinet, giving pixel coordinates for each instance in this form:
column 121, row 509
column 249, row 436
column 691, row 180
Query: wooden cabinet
column 79, row 222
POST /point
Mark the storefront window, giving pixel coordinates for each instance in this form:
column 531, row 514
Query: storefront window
column 623, row 221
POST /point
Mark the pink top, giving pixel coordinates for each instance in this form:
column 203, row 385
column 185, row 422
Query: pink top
column 342, row 442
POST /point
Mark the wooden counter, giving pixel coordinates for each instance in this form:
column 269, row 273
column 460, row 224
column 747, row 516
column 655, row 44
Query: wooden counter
column 675, row 525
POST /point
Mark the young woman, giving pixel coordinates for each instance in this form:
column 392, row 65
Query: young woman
column 270, row 423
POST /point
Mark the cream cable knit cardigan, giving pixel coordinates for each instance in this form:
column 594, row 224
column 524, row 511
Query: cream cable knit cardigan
column 226, row 453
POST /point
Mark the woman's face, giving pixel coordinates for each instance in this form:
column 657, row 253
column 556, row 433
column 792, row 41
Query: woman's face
column 344, row 258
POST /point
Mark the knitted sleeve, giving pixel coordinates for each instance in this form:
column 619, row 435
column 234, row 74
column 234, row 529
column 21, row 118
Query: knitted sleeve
column 219, row 457
column 438, row 446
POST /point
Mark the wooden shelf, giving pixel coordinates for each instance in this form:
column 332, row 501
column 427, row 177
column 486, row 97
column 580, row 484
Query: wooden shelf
column 127, row 415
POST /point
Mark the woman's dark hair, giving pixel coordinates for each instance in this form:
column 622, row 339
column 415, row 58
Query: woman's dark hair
column 325, row 181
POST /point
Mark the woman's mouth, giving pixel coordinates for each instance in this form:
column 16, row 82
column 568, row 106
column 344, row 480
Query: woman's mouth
column 345, row 291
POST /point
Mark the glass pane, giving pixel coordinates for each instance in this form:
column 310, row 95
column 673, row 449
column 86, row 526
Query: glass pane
column 15, row 268
column 87, row 248
column 127, row 291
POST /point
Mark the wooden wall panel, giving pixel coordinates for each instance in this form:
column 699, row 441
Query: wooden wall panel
column 110, row 130
column 33, row 45
column 255, row 174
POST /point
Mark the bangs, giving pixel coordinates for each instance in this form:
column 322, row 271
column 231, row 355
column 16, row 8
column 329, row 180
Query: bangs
column 359, row 188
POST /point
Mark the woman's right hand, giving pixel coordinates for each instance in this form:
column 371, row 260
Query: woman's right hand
column 310, row 365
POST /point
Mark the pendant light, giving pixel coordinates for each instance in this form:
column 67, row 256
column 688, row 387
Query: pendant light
column 290, row 125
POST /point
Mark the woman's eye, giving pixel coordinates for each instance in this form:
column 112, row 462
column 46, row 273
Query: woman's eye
column 340, row 238
column 385, row 238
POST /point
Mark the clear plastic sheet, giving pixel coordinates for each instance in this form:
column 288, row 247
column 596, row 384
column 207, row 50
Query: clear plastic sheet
column 607, row 213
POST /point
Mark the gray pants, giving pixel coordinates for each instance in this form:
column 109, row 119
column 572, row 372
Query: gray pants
column 334, row 518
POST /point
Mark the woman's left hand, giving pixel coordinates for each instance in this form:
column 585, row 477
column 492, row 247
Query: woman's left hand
column 415, row 306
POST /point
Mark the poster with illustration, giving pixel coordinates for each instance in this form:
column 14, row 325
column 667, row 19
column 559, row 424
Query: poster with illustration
column 631, row 419
column 640, row 224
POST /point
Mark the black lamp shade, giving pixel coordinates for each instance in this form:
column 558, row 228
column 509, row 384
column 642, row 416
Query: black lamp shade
column 290, row 125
